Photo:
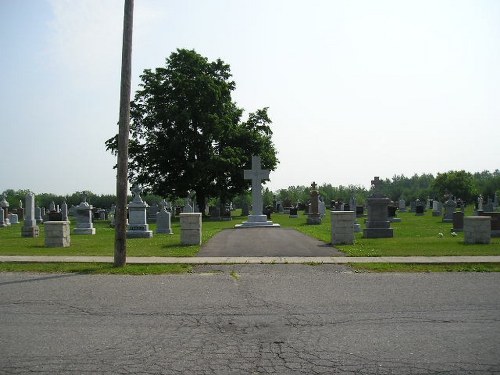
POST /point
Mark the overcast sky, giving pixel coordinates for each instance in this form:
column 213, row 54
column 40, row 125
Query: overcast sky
column 355, row 89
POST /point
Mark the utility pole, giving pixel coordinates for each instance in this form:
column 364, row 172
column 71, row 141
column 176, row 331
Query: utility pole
column 123, row 132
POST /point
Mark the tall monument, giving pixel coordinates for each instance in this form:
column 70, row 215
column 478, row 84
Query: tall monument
column 256, row 174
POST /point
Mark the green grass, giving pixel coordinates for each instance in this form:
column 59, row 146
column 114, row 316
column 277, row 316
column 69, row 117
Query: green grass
column 102, row 243
column 96, row 268
column 413, row 236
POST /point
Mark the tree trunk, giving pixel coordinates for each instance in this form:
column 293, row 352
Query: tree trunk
column 123, row 133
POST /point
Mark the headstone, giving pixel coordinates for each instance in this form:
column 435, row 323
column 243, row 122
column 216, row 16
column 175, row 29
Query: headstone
column 52, row 207
column 84, row 218
column 480, row 203
column 244, row 209
column 449, row 208
column 57, row 234
column 64, row 211
column 488, row 206
column 458, row 221
column 14, row 219
column 38, row 215
column 2, row 219
column 360, row 211
column 419, row 208
column 163, row 220
column 30, row 229
column 152, row 212
column 495, row 201
column 314, row 217
column 191, row 227
column 377, row 223
column 342, row 227
column 495, row 222
column 391, row 213
column 20, row 211
column 187, row 207
column 256, row 174
column 477, row 229
column 321, row 208
column 4, row 205
column 402, row 205
column 436, row 208
column 413, row 206
column 214, row 213
column 294, row 213
column 137, row 226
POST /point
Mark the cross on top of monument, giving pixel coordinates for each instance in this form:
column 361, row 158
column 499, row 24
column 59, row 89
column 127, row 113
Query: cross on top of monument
column 376, row 183
column 313, row 185
column 136, row 191
column 256, row 174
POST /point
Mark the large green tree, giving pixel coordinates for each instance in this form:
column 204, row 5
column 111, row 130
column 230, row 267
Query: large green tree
column 458, row 183
column 187, row 133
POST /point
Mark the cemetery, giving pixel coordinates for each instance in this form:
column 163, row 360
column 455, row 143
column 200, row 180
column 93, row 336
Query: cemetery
column 412, row 236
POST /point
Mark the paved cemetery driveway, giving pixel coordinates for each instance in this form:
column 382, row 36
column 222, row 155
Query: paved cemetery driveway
column 265, row 242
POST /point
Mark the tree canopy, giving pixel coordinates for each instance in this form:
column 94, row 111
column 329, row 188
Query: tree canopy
column 187, row 133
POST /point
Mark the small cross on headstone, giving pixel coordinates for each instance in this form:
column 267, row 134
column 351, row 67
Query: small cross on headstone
column 313, row 185
column 256, row 175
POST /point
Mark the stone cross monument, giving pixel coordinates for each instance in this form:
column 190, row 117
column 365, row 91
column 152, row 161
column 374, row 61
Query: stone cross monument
column 256, row 174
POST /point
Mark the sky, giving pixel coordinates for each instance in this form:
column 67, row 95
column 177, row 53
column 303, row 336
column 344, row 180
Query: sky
column 355, row 88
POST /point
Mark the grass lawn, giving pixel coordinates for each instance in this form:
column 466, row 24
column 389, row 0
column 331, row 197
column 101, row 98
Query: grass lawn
column 414, row 236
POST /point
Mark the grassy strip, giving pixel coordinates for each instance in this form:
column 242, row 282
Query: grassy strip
column 97, row 268
column 408, row 267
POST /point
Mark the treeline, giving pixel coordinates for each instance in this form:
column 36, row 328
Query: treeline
column 460, row 184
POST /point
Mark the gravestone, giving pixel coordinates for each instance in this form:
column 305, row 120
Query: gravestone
column 57, row 234
column 13, row 219
column 480, row 204
column 84, row 218
column 377, row 223
column 4, row 205
column 436, row 208
column 495, row 201
column 314, row 217
column 495, row 222
column 152, row 212
column 38, row 215
column 402, row 205
column 449, row 208
column 64, row 211
column 30, row 229
column 191, row 228
column 244, row 209
column 488, row 206
column 342, row 227
column 419, row 208
column 187, row 206
column 137, row 226
column 392, row 215
column 458, row 221
column 294, row 212
column 163, row 219
column 256, row 174
column 477, row 229
column 321, row 207
column 413, row 206
column 20, row 211
column 2, row 219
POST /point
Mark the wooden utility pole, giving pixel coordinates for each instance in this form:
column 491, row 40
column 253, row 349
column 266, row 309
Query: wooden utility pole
column 123, row 123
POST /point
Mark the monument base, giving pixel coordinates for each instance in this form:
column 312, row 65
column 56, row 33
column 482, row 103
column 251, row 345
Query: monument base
column 30, row 231
column 257, row 221
column 395, row 220
column 84, row 231
column 378, row 233
column 139, row 233
column 314, row 219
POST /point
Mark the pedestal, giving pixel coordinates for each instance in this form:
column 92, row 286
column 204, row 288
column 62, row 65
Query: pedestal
column 257, row 221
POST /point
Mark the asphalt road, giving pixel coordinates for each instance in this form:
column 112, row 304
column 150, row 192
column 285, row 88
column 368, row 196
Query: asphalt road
column 251, row 319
